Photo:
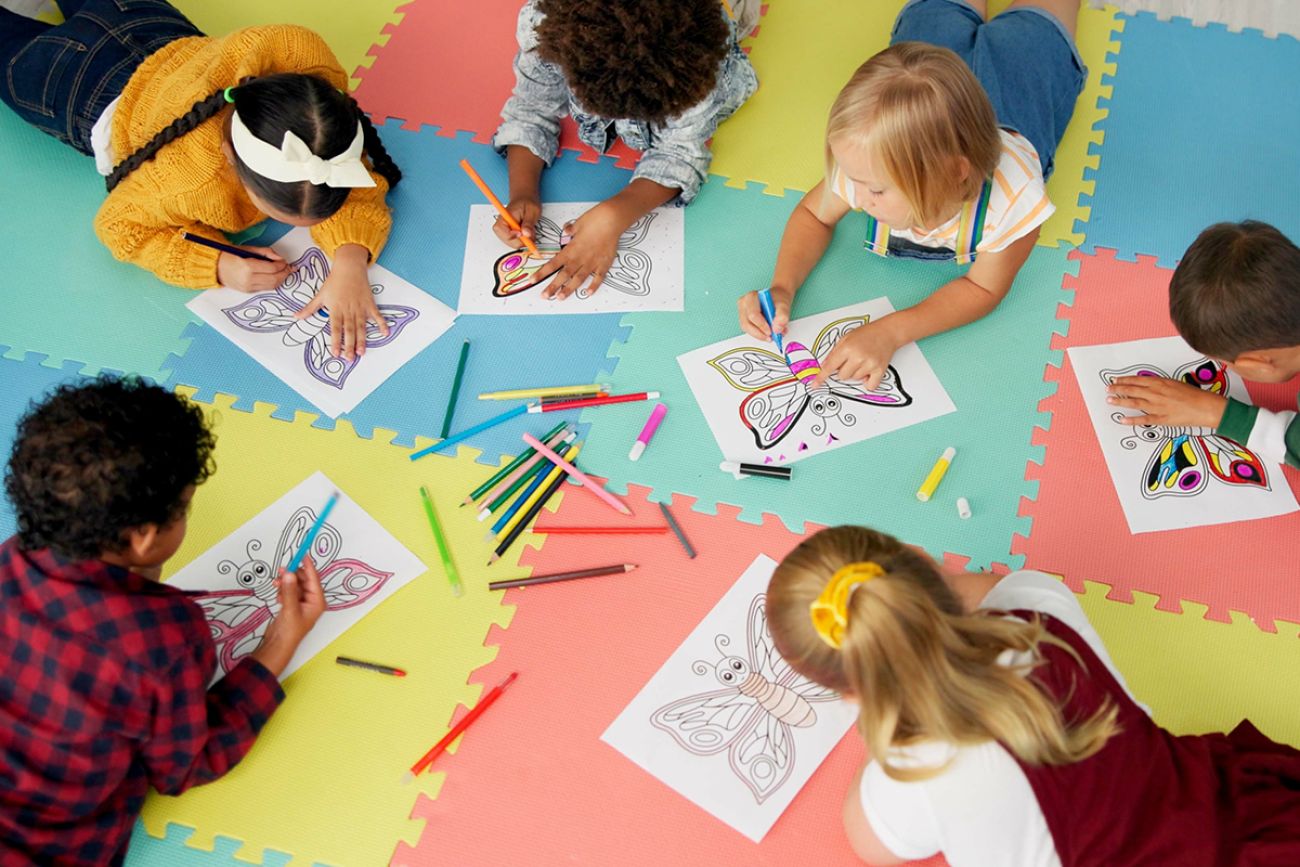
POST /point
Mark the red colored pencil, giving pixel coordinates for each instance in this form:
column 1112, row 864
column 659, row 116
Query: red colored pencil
column 441, row 746
column 600, row 531
column 594, row 401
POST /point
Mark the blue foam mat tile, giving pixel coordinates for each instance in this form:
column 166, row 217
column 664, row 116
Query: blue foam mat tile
column 1201, row 128
column 172, row 851
column 431, row 209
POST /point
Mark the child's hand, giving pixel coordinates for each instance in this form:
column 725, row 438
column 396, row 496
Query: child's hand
column 346, row 296
column 525, row 211
column 252, row 275
column 1167, row 402
column 861, row 356
column 302, row 602
column 751, row 314
column 588, row 255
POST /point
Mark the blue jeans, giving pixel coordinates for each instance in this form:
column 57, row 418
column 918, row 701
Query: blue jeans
column 60, row 78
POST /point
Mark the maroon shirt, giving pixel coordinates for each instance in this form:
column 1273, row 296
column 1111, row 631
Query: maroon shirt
column 103, row 693
column 1153, row 798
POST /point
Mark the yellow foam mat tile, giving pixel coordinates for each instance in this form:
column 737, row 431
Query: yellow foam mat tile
column 1201, row 675
column 805, row 53
column 323, row 781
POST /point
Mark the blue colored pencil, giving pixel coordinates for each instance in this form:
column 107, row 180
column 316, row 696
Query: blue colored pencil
column 301, row 553
column 469, row 432
column 521, row 499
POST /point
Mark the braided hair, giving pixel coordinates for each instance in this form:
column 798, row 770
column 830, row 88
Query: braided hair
column 309, row 107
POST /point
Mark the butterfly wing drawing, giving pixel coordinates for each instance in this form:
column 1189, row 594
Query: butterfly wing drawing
column 324, row 547
column 237, row 620
column 348, row 583
column 515, row 271
column 265, row 312
column 776, row 400
column 890, row 391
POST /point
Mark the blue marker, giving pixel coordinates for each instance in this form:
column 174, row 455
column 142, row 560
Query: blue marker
column 301, row 553
column 769, row 313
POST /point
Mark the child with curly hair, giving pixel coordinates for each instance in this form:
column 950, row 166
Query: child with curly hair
column 659, row 74
column 209, row 136
column 104, row 671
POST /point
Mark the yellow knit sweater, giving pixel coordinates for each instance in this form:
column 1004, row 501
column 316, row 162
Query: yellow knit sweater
column 189, row 186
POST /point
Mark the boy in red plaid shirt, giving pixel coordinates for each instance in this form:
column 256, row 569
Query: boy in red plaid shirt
column 104, row 671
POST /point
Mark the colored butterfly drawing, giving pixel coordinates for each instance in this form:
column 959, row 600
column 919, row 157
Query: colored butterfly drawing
column 238, row 618
column 753, row 716
column 271, row 312
column 628, row 273
column 1184, row 459
column 778, row 388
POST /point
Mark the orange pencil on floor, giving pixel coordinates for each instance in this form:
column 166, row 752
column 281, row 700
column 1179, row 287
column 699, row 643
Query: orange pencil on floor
column 458, row 729
column 501, row 209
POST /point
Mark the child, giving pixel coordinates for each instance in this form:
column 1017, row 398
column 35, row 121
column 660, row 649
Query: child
column 1235, row 296
column 660, row 74
column 1000, row 731
column 103, row 671
column 948, row 163
column 210, row 136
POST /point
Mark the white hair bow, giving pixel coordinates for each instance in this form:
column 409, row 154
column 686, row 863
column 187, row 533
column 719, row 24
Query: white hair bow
column 294, row 161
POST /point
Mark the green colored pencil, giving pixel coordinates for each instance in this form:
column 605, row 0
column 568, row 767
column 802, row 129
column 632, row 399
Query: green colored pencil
column 510, row 467
column 455, row 389
column 453, row 576
column 542, row 466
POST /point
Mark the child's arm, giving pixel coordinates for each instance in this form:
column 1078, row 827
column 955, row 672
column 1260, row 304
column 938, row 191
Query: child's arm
column 863, row 355
column 199, row 734
column 863, row 839
column 808, row 233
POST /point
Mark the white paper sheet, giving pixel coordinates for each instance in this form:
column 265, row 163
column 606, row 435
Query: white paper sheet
column 298, row 352
column 647, row 273
column 359, row 562
column 697, row 727
column 760, row 413
column 1171, row 478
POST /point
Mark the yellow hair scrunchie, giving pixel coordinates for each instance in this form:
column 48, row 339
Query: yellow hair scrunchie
column 830, row 611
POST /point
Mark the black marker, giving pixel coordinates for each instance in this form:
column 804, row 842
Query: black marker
column 738, row 470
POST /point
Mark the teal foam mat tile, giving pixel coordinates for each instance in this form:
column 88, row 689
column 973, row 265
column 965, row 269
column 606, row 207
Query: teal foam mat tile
column 171, row 851
column 992, row 369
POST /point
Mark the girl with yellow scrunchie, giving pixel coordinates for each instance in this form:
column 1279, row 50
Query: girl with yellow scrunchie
column 1000, row 732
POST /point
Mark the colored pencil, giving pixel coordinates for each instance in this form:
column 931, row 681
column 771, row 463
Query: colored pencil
column 510, row 467
column 562, row 576
column 677, row 530
column 601, row 531
column 510, row 517
column 546, row 391
column 594, row 401
column 301, row 553
column 226, row 248
column 501, row 209
column 586, row 481
column 440, row 538
column 512, row 483
column 455, row 389
column 370, row 666
column 532, row 509
column 469, row 432
column 466, row 721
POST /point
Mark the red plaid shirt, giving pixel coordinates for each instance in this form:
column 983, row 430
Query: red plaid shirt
column 103, row 693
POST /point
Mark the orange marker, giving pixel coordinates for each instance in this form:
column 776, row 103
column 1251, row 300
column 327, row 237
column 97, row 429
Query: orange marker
column 501, row 209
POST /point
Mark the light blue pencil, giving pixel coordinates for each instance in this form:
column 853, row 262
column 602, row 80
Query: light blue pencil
column 469, row 432
column 301, row 553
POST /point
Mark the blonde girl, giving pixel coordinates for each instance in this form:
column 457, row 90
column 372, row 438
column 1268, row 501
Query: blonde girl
column 945, row 140
column 999, row 730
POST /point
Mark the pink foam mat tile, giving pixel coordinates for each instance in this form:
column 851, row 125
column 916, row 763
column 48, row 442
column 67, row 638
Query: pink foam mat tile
column 532, row 783
column 1079, row 529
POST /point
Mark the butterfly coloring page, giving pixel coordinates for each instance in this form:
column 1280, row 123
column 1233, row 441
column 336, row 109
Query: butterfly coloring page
column 762, row 407
column 646, row 273
column 265, row 325
column 1171, row 477
column 726, row 722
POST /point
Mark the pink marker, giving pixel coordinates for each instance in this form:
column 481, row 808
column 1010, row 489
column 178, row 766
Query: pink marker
column 647, row 433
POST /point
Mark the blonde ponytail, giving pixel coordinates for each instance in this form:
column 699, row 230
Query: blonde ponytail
column 922, row 669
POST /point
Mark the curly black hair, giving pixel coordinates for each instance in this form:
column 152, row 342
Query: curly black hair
column 642, row 59
column 96, row 458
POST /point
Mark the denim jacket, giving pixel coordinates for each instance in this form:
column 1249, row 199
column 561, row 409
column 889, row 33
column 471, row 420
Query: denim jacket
column 675, row 153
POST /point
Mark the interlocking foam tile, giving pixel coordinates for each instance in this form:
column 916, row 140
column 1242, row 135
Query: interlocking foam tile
column 431, row 208
column 66, row 297
column 353, row 30
column 172, row 851
column 1195, row 135
column 992, row 369
column 777, row 137
column 323, row 781
column 1246, row 566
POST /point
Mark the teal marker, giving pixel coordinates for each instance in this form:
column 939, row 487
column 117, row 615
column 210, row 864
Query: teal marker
column 769, row 313
column 301, row 553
